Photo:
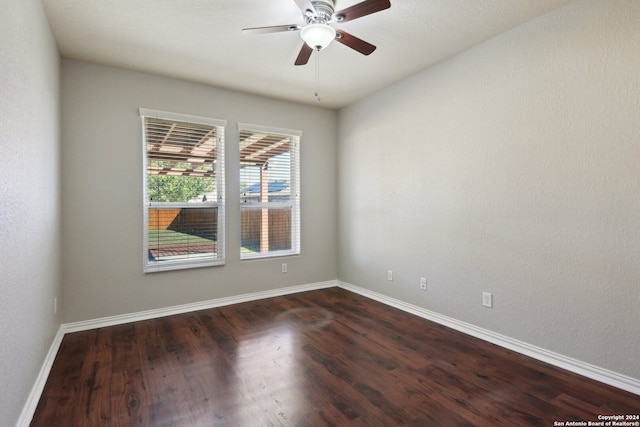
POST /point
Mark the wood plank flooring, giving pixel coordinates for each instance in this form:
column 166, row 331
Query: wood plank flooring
column 321, row 358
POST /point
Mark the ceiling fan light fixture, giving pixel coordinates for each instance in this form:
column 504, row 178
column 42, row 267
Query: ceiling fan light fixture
column 318, row 36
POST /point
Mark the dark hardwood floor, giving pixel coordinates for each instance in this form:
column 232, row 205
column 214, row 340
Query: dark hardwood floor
column 320, row 358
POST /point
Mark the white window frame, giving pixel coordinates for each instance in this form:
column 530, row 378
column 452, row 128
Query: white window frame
column 296, row 225
column 220, row 203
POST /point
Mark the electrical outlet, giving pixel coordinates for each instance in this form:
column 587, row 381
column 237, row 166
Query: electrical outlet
column 284, row 267
column 487, row 299
column 423, row 283
column 389, row 275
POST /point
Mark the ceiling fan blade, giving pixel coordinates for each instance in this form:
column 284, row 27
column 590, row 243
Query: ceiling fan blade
column 272, row 29
column 359, row 10
column 304, row 55
column 305, row 5
column 354, row 43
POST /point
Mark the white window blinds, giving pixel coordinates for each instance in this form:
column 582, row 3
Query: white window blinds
column 269, row 191
column 183, row 192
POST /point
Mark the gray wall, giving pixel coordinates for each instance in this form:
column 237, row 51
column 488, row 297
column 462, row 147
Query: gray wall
column 29, row 199
column 102, row 193
column 511, row 168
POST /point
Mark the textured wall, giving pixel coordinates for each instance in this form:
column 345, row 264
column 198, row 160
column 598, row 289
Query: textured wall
column 511, row 168
column 29, row 199
column 102, row 193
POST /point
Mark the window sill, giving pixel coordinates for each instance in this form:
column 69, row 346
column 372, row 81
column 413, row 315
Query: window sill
column 181, row 265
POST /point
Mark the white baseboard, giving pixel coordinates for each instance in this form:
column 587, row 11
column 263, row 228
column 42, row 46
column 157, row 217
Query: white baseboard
column 605, row 376
column 86, row 325
column 623, row 382
column 36, row 391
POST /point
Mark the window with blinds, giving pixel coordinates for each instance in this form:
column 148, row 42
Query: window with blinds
column 269, row 191
column 184, row 197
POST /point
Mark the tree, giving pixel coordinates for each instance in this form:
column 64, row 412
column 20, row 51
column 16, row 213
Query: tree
column 168, row 188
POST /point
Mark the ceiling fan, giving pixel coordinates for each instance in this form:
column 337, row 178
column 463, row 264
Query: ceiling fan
column 317, row 32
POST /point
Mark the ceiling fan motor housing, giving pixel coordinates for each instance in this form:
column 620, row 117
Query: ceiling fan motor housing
column 323, row 14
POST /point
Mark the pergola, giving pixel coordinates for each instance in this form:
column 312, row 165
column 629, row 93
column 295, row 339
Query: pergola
column 256, row 150
column 189, row 149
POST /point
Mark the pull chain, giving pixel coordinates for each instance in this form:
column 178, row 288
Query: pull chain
column 317, row 94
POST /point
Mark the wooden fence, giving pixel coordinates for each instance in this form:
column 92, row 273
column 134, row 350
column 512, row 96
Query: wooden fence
column 279, row 228
column 204, row 221
column 201, row 222
column 161, row 219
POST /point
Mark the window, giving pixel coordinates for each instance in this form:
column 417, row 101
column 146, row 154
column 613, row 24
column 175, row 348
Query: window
column 269, row 192
column 183, row 191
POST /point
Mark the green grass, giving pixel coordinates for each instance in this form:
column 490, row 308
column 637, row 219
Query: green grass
column 249, row 250
column 171, row 237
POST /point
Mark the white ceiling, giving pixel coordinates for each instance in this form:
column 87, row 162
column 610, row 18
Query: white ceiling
column 202, row 41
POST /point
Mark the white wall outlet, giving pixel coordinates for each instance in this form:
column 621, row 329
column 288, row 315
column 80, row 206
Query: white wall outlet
column 284, row 267
column 487, row 299
column 389, row 275
column 55, row 306
column 423, row 283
